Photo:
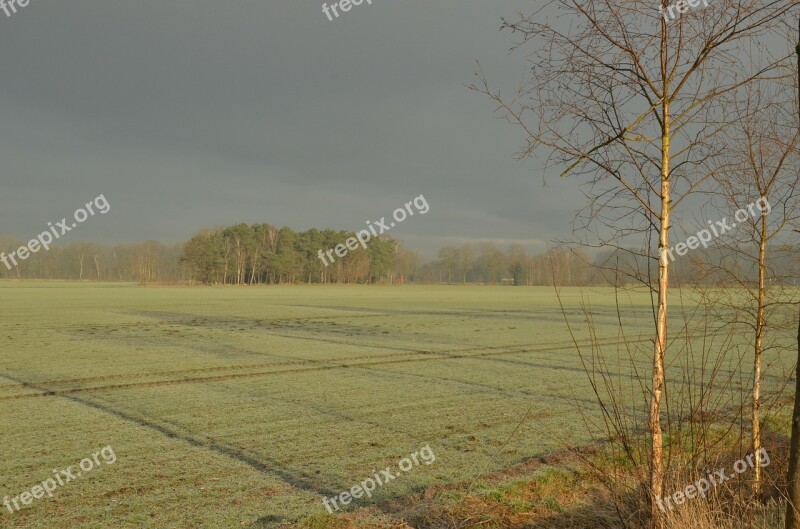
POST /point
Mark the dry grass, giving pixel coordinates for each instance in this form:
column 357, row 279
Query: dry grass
column 572, row 491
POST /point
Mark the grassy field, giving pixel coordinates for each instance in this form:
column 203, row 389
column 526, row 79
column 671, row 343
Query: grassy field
column 228, row 407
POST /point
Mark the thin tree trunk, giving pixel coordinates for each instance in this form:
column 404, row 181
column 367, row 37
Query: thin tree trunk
column 793, row 478
column 759, row 348
column 660, row 345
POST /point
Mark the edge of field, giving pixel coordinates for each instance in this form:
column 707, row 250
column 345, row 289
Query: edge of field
column 577, row 488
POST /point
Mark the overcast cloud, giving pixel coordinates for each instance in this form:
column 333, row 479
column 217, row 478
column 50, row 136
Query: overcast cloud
column 193, row 114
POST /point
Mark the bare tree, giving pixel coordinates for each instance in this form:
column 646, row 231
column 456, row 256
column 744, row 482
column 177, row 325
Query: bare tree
column 628, row 99
column 763, row 177
column 793, row 477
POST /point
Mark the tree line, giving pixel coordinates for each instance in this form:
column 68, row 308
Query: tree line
column 264, row 254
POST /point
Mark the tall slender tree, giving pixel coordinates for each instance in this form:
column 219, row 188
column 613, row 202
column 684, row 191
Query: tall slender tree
column 627, row 97
column 793, row 477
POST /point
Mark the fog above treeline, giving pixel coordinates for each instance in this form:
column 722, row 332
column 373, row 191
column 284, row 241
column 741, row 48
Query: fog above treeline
column 263, row 254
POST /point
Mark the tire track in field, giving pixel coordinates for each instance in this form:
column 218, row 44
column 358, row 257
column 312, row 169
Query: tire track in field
column 279, row 469
column 525, row 314
column 298, row 361
column 266, row 465
column 317, row 365
column 185, row 322
column 295, row 360
column 340, row 362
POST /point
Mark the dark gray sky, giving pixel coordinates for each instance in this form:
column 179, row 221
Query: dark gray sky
column 192, row 114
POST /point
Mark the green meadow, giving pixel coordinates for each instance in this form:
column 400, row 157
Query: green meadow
column 244, row 406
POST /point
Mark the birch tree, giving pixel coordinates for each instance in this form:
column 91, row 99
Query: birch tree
column 765, row 172
column 627, row 99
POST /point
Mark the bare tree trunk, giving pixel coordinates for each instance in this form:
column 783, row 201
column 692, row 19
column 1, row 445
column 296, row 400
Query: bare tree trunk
column 793, row 479
column 759, row 348
column 660, row 345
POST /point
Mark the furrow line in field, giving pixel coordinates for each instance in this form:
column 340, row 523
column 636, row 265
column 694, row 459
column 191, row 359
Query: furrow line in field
column 407, row 350
column 420, row 357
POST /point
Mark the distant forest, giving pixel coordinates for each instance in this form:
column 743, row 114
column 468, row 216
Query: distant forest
column 264, row 254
